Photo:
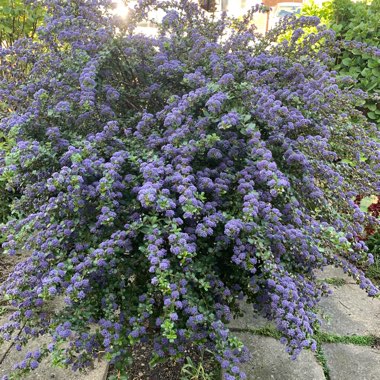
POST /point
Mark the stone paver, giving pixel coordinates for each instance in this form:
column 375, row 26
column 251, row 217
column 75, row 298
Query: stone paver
column 250, row 320
column 349, row 311
column 271, row 362
column 350, row 362
column 334, row 272
column 45, row 370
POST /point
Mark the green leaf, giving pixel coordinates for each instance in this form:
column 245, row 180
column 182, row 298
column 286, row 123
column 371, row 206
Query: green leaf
column 371, row 106
column 347, row 61
column 372, row 63
column 373, row 85
column 372, row 115
column 366, row 72
column 337, row 27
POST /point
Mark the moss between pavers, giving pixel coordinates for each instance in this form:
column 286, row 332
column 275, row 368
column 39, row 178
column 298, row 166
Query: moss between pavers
column 322, row 360
column 335, row 281
column 320, row 337
column 269, row 331
column 357, row 340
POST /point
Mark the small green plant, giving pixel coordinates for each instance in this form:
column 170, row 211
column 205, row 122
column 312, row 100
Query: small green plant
column 196, row 371
column 3, row 311
column 118, row 377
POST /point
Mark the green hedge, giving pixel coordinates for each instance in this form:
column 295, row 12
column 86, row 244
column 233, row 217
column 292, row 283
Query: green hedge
column 356, row 21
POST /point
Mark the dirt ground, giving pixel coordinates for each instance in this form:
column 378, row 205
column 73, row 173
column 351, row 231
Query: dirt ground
column 168, row 371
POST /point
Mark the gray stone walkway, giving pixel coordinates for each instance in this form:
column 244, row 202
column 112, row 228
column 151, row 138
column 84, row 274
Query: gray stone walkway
column 350, row 319
column 347, row 361
column 270, row 361
column 349, row 316
column 45, row 371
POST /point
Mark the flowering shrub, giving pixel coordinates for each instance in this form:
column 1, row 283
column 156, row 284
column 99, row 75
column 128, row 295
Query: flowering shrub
column 160, row 180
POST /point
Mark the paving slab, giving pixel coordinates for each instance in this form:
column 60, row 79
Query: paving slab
column 6, row 345
column 331, row 271
column 45, row 370
column 251, row 319
column 349, row 311
column 350, row 362
column 270, row 361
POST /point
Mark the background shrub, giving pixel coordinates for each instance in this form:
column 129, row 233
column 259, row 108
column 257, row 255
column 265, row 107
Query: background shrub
column 161, row 180
column 18, row 19
column 357, row 23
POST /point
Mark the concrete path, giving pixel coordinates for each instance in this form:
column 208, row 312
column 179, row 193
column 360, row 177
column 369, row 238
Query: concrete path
column 348, row 343
column 45, row 371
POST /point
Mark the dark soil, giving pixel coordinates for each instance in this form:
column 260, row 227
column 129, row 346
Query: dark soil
column 377, row 343
column 7, row 264
column 170, row 370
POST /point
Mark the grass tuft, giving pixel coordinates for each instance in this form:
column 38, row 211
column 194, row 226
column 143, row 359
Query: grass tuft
column 269, row 331
column 358, row 340
column 321, row 358
column 335, row 281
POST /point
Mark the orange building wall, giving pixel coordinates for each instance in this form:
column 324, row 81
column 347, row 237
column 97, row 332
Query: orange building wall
column 272, row 3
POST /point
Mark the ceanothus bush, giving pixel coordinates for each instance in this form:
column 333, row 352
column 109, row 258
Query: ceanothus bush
column 161, row 179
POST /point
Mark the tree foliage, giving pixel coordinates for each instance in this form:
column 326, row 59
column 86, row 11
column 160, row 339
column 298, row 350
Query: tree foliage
column 18, row 19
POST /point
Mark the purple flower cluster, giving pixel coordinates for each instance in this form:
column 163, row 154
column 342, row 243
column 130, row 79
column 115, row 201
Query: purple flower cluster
column 156, row 181
column 214, row 104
